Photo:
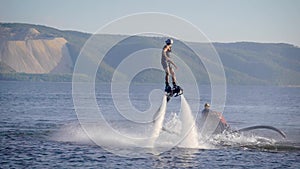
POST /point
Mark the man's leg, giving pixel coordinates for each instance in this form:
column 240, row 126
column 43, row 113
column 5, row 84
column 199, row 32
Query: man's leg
column 167, row 88
column 173, row 77
column 167, row 79
column 167, row 70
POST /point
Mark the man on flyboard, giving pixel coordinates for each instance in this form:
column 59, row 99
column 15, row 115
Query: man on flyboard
column 168, row 65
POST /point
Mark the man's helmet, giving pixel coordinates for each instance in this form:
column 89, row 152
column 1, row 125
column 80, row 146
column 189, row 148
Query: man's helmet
column 206, row 105
column 169, row 41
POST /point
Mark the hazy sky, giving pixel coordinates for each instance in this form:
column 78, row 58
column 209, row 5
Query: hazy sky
column 221, row 20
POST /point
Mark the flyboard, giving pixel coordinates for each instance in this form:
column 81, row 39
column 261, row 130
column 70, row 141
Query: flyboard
column 173, row 92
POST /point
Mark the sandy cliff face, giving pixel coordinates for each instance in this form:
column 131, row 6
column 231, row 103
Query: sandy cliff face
column 36, row 55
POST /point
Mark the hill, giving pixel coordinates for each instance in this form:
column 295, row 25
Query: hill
column 40, row 53
column 276, row 64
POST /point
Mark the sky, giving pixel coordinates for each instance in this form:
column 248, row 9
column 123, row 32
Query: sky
column 266, row 21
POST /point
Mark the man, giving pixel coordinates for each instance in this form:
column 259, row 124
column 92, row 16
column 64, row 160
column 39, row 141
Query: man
column 222, row 124
column 205, row 111
column 167, row 64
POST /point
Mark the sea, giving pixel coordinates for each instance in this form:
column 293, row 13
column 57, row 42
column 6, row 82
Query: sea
column 40, row 127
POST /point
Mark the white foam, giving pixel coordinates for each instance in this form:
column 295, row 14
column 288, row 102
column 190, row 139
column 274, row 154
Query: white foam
column 158, row 121
column 188, row 130
column 178, row 131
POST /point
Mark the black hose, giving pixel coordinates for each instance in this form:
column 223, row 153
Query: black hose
column 263, row 127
